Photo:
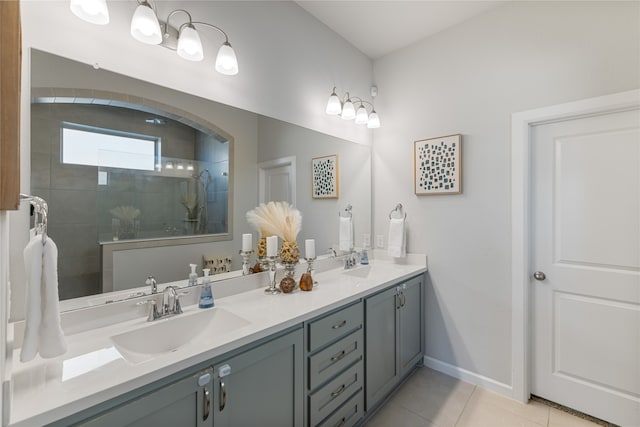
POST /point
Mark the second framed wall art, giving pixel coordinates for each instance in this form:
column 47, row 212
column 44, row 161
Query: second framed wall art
column 324, row 179
column 438, row 165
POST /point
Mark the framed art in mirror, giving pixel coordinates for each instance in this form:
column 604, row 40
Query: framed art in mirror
column 325, row 183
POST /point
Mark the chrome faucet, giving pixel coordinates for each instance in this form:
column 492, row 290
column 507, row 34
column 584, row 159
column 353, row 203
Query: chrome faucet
column 151, row 281
column 170, row 302
column 351, row 259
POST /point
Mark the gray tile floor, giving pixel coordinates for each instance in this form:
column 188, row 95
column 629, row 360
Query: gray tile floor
column 432, row 399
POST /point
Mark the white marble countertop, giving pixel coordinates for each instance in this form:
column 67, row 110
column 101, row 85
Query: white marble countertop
column 46, row 390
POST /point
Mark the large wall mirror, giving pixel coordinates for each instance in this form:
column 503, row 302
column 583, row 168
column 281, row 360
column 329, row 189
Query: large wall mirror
column 143, row 180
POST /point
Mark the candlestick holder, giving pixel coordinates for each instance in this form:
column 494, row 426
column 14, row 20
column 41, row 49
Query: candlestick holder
column 264, row 263
column 246, row 268
column 272, row 290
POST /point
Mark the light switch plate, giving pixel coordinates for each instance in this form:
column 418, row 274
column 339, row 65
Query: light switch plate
column 366, row 240
column 380, row 241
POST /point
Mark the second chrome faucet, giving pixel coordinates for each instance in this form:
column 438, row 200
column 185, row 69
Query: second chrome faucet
column 170, row 301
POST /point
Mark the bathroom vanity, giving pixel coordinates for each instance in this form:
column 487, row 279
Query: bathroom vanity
column 322, row 358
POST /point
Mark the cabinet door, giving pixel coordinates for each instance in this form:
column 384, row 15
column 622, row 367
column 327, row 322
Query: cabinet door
column 411, row 324
column 381, row 336
column 183, row 403
column 263, row 387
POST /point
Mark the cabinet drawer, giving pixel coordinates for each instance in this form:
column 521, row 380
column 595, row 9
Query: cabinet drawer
column 332, row 395
column 334, row 326
column 335, row 358
column 348, row 415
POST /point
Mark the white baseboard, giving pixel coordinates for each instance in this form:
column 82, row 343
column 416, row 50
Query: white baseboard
column 469, row 377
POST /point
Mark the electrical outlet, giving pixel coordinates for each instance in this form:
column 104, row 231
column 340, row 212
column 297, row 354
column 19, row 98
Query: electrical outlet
column 366, row 240
column 380, row 240
column 217, row 264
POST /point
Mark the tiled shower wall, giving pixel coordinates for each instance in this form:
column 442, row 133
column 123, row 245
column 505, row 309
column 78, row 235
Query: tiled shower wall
column 79, row 208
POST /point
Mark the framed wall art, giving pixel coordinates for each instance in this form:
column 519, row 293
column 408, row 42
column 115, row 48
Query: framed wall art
column 438, row 165
column 324, row 178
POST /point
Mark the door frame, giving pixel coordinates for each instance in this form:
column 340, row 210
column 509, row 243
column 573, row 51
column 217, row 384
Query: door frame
column 270, row 164
column 521, row 180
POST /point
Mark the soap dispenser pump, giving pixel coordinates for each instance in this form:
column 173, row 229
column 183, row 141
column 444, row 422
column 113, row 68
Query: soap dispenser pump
column 206, row 295
column 193, row 276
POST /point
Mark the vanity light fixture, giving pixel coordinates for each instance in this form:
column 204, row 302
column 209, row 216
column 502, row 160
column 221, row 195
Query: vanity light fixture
column 93, row 11
column 345, row 109
column 184, row 39
column 147, row 28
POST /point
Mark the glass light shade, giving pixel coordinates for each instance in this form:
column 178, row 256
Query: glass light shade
column 348, row 112
column 334, row 106
column 374, row 120
column 145, row 26
column 362, row 117
column 93, row 11
column 189, row 44
column 226, row 61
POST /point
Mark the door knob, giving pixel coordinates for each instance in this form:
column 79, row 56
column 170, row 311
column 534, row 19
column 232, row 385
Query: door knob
column 539, row 275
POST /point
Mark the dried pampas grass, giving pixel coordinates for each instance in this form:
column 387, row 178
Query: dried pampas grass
column 276, row 219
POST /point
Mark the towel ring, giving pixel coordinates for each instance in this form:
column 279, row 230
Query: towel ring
column 346, row 213
column 40, row 209
column 397, row 211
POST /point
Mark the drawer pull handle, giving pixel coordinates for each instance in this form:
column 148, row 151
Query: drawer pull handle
column 339, row 325
column 342, row 422
column 339, row 391
column 223, row 396
column 338, row 356
column 206, row 404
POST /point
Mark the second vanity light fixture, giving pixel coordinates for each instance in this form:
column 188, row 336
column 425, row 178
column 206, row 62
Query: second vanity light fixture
column 345, row 108
column 147, row 28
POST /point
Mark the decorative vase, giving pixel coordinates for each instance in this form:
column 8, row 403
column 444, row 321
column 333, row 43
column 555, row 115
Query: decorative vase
column 288, row 283
column 261, row 249
column 306, row 282
column 289, row 252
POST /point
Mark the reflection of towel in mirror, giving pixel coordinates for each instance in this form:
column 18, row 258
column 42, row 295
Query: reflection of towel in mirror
column 42, row 333
column 346, row 233
column 397, row 241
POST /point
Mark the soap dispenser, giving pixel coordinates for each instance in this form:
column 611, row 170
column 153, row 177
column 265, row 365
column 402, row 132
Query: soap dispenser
column 193, row 276
column 206, row 296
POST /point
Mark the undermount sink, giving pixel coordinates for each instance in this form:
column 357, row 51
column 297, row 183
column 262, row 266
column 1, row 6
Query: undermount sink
column 166, row 335
column 361, row 272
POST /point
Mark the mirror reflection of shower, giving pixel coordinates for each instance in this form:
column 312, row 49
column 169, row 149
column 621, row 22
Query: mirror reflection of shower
column 202, row 183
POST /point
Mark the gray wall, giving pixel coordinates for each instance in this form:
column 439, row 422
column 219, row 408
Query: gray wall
column 469, row 79
column 278, row 139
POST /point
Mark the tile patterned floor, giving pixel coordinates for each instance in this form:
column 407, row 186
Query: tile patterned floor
column 432, row 399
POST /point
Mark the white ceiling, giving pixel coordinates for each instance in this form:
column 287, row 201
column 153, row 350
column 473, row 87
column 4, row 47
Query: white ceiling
column 378, row 27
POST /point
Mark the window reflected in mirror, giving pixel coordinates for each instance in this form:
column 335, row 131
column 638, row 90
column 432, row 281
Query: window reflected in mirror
column 114, row 173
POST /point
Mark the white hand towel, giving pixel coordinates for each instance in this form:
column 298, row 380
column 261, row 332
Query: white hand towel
column 33, row 313
column 396, row 242
column 346, row 234
column 52, row 341
column 43, row 332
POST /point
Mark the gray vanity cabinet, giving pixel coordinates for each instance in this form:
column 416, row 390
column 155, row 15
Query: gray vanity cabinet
column 393, row 337
column 262, row 386
column 184, row 403
column 335, row 378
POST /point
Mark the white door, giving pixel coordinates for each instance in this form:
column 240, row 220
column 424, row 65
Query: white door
column 586, row 241
column 278, row 180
